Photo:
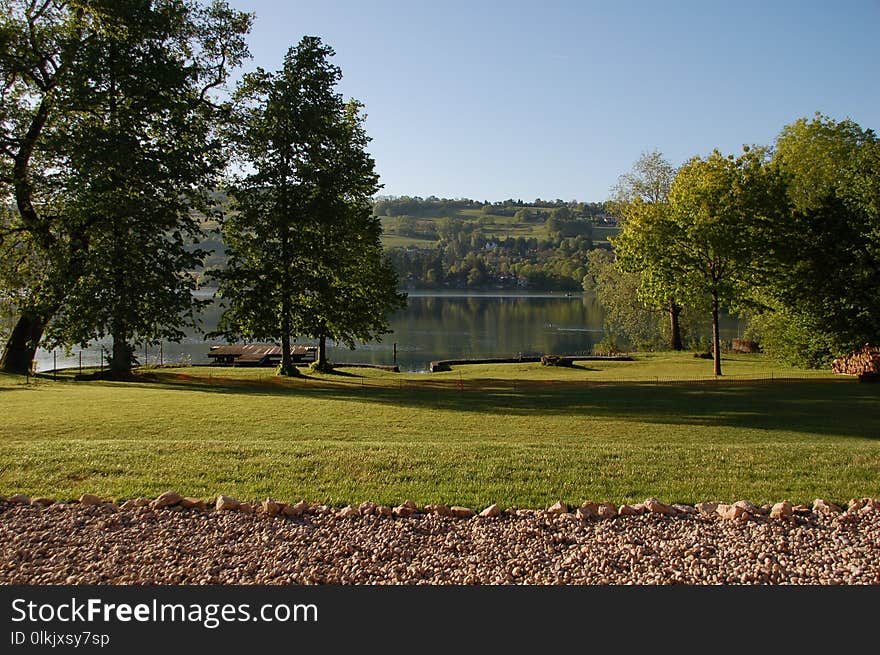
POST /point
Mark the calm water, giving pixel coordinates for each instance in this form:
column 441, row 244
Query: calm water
column 435, row 325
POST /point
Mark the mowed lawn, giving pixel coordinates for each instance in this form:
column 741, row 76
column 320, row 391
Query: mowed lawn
column 517, row 434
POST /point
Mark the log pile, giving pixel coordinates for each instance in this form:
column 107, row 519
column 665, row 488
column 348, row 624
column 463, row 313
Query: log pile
column 746, row 346
column 865, row 363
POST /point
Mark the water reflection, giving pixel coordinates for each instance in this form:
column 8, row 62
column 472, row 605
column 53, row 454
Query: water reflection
column 433, row 326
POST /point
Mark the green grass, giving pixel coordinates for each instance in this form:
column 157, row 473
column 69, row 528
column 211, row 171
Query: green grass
column 517, row 434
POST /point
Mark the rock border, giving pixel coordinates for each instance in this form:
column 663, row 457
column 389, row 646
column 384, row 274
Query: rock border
column 741, row 510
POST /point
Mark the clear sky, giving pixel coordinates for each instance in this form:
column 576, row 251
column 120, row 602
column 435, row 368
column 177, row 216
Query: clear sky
column 554, row 99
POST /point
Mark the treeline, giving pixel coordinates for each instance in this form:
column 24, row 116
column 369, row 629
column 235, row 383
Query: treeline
column 115, row 119
column 786, row 236
column 468, row 256
column 432, row 206
column 467, row 259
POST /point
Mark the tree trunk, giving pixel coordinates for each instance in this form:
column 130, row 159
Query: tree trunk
column 675, row 327
column 322, row 364
column 287, row 367
column 18, row 356
column 716, row 339
column 120, row 362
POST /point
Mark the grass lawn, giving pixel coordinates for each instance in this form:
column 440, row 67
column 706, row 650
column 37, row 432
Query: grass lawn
column 518, row 434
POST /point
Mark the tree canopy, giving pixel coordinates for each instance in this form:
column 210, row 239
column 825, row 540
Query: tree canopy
column 304, row 252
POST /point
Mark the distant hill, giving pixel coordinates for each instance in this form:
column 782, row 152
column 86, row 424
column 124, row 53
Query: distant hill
column 437, row 243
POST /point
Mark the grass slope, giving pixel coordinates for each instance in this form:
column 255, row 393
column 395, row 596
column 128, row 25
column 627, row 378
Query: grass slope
column 515, row 434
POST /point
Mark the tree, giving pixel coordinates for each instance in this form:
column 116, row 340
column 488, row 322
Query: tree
column 649, row 180
column 637, row 196
column 703, row 245
column 617, row 292
column 110, row 132
column 819, row 288
column 304, row 252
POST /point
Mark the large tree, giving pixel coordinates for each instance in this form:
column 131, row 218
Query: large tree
column 303, row 244
column 821, row 284
column 702, row 245
column 639, row 195
column 108, row 135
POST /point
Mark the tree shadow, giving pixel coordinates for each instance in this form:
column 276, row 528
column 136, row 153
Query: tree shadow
column 838, row 407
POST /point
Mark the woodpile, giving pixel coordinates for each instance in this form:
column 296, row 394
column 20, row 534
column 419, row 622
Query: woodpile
column 865, row 363
column 746, row 346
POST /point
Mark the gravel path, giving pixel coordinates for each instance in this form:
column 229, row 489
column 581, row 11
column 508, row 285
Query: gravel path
column 101, row 544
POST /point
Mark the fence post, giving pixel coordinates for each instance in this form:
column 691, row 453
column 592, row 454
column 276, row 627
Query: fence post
column 54, row 365
column 161, row 357
column 80, row 362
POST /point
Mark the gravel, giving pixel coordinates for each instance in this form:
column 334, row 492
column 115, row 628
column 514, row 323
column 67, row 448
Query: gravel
column 70, row 543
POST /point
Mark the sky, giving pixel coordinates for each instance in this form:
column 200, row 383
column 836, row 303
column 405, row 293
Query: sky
column 555, row 99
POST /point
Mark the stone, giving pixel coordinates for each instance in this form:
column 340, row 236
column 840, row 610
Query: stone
column 443, row 510
column 384, row 510
column 367, row 508
column 731, row 512
column 42, row 501
column 746, row 506
column 683, row 509
column 226, row 503
column 640, row 508
column 19, row 499
column 140, row 501
column 558, row 507
column 627, row 510
column 801, row 509
column 781, row 510
column 491, row 511
column 824, row 507
column 270, row 507
column 348, row 512
column 296, row 510
column 410, row 504
column 607, row 510
column 89, row 499
column 128, row 505
column 166, row 499
column 856, row 504
column 656, row 507
column 461, row 512
column 246, row 508
column 707, row 508
column 403, row 511
column 585, row 513
column 193, row 503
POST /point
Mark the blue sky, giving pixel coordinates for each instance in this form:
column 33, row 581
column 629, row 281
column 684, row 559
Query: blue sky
column 492, row 100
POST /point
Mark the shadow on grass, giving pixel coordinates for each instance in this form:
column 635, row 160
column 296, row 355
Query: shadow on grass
column 840, row 407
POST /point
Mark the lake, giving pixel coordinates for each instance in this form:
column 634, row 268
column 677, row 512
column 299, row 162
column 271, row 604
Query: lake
column 434, row 325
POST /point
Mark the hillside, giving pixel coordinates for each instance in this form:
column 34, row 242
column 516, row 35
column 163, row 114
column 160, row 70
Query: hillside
column 437, row 243
column 461, row 243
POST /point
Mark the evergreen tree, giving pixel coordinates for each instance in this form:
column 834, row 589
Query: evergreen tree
column 304, row 251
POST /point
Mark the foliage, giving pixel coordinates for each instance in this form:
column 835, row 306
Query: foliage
column 820, row 290
column 304, row 251
column 107, row 128
column 702, row 246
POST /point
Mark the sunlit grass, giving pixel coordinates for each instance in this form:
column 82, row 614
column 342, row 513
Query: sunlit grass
column 518, row 434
